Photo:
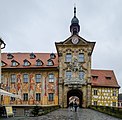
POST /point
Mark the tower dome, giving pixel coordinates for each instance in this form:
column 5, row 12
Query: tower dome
column 74, row 27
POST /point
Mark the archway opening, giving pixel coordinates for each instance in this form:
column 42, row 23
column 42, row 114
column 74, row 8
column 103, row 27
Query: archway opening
column 74, row 95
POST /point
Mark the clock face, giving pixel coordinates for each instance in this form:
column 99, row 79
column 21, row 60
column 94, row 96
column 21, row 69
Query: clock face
column 75, row 40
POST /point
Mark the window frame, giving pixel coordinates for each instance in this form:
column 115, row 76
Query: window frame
column 68, row 57
column 38, row 97
column 38, row 78
column 81, row 76
column 95, row 92
column 51, row 77
column 69, row 74
column 13, row 78
column 39, row 63
column 50, row 96
column 25, row 96
column 81, row 57
column 25, row 78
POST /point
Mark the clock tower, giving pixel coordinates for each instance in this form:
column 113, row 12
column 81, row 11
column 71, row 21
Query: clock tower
column 74, row 55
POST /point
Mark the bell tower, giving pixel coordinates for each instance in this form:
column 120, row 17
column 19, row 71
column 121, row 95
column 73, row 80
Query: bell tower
column 74, row 55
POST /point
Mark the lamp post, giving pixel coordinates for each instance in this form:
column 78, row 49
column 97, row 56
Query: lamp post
column 2, row 46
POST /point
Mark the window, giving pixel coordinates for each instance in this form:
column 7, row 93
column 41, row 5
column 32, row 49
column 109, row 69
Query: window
column 25, row 96
column 94, row 77
column 38, row 96
column 32, row 56
column 10, row 56
column 13, row 78
column 95, row 103
column 68, row 74
column 38, row 62
column 2, row 78
column 25, row 78
column 1, row 97
column 51, row 77
column 3, row 64
column 52, row 56
column 14, row 111
column 26, row 63
column 114, row 104
column 12, row 98
column 38, row 78
column 95, row 92
column 51, row 96
column 68, row 57
column 50, row 62
column 81, row 75
column 81, row 57
column 114, row 93
column 108, row 78
column 14, row 63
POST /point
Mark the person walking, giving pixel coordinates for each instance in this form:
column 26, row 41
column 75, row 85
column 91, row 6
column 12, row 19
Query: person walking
column 71, row 105
column 75, row 106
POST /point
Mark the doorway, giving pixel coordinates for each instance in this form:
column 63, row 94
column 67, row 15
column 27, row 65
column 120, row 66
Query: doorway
column 74, row 95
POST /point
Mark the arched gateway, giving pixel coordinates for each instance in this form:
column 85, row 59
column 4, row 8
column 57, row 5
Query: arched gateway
column 75, row 93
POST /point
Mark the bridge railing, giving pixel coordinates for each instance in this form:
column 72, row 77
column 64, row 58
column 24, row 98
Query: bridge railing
column 113, row 111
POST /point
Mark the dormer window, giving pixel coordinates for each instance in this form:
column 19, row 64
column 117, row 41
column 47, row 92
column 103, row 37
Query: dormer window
column 50, row 63
column 10, row 56
column 14, row 63
column 39, row 63
column 108, row 78
column 52, row 56
column 32, row 56
column 95, row 77
column 3, row 64
column 26, row 63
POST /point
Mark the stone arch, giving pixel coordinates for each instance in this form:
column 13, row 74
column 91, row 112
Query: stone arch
column 75, row 92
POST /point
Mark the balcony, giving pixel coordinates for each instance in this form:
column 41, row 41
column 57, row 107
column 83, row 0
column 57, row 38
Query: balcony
column 74, row 81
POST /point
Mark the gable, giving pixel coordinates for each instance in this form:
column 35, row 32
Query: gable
column 75, row 40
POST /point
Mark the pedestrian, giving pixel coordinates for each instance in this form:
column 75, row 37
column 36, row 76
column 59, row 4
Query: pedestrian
column 71, row 105
column 75, row 106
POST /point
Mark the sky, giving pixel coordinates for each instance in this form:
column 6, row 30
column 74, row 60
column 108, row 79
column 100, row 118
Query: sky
column 35, row 26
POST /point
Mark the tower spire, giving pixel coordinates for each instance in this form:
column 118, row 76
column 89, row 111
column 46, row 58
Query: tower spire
column 74, row 27
column 74, row 11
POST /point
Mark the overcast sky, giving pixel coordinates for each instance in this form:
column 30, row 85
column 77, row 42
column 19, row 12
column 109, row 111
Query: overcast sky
column 35, row 25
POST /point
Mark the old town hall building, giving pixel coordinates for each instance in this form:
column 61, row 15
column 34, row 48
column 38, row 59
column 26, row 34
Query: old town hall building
column 52, row 78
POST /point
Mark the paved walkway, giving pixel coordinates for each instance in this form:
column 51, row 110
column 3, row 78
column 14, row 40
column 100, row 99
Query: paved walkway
column 66, row 114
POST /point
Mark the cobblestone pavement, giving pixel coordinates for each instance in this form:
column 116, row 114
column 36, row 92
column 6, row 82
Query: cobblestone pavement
column 66, row 114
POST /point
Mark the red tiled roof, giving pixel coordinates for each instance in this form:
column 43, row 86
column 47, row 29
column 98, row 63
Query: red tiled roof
column 102, row 80
column 20, row 57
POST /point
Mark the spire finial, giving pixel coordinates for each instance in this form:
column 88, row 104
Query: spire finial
column 74, row 10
